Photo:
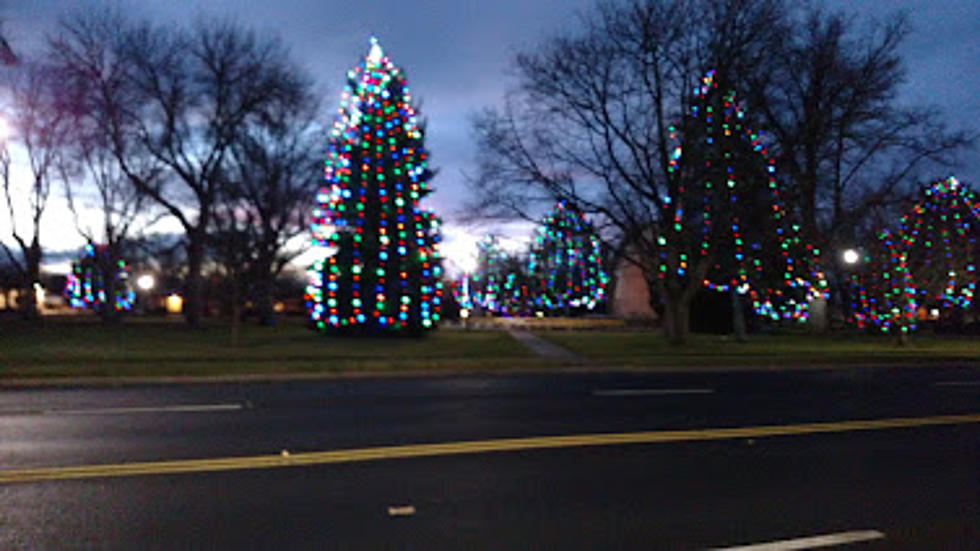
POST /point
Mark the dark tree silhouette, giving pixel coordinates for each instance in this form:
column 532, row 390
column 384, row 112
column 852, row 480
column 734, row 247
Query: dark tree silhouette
column 829, row 96
column 264, row 202
column 85, row 57
column 592, row 122
column 36, row 121
column 179, row 98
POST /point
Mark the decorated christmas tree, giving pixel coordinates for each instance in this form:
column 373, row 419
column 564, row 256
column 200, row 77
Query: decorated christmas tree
column 565, row 264
column 926, row 268
column 99, row 282
column 381, row 271
column 745, row 227
column 500, row 284
column 883, row 292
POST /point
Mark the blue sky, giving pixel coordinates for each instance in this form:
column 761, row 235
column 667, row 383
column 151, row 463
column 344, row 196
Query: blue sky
column 456, row 54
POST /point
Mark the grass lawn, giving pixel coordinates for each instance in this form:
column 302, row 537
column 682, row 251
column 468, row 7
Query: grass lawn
column 147, row 347
column 82, row 347
column 648, row 348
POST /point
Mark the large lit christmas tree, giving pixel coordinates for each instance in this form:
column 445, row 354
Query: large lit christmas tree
column 565, row 264
column 382, row 269
column 758, row 251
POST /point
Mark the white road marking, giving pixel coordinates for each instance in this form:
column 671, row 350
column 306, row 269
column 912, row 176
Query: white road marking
column 812, row 542
column 957, row 383
column 649, row 391
column 401, row 510
column 187, row 408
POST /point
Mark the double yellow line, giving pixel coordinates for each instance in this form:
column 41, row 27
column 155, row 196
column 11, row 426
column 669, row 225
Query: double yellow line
column 468, row 447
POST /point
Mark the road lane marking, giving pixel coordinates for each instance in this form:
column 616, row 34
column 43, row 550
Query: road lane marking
column 297, row 459
column 812, row 542
column 649, row 391
column 186, row 408
column 957, row 383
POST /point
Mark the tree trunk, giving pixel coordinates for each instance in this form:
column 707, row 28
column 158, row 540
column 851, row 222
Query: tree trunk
column 236, row 310
column 676, row 311
column 677, row 320
column 28, row 298
column 901, row 336
column 109, row 269
column 738, row 317
column 194, row 286
column 264, row 283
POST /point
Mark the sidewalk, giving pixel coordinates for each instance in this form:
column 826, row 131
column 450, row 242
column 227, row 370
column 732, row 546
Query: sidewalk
column 543, row 348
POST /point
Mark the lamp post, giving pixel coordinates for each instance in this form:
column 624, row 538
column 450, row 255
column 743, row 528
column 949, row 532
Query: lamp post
column 850, row 261
column 145, row 283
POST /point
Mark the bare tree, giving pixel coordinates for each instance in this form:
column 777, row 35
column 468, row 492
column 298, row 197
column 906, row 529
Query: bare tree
column 264, row 202
column 35, row 114
column 85, row 55
column 98, row 189
column 183, row 97
column 593, row 122
column 829, row 98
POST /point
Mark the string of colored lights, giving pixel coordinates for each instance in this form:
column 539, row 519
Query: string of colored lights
column 737, row 175
column 384, row 272
column 928, row 262
column 86, row 285
column 565, row 263
column 499, row 285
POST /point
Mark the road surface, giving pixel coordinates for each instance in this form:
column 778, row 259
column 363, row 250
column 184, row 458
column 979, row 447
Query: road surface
column 816, row 454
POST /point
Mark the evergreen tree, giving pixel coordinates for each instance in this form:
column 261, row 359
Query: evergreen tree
column 883, row 293
column 565, row 264
column 927, row 264
column 941, row 234
column 384, row 271
column 500, row 284
column 752, row 238
column 99, row 281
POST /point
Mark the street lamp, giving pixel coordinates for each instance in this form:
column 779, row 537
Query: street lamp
column 145, row 282
column 851, row 257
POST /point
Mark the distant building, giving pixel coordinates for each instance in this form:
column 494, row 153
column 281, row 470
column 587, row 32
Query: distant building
column 630, row 298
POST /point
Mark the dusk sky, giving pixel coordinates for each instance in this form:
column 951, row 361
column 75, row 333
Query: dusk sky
column 456, row 55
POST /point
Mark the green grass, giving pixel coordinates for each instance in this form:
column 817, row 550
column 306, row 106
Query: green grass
column 651, row 349
column 75, row 348
column 82, row 347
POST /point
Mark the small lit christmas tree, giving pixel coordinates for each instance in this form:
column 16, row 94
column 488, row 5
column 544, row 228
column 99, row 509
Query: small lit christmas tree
column 99, row 282
column 883, row 290
column 565, row 264
column 384, row 271
column 928, row 265
column 500, row 283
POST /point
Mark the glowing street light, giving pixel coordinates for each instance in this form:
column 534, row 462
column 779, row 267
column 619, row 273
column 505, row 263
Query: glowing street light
column 851, row 257
column 145, row 282
column 175, row 304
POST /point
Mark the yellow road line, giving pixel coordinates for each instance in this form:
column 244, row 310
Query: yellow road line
column 468, row 447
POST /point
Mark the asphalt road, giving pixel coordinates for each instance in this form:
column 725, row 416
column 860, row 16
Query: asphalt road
column 918, row 488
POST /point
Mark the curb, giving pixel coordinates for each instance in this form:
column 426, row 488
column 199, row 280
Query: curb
column 97, row 381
